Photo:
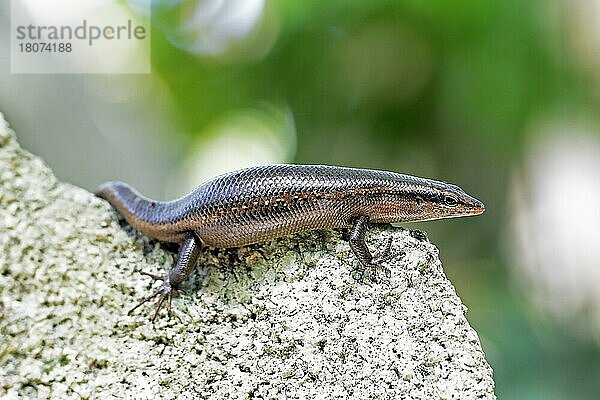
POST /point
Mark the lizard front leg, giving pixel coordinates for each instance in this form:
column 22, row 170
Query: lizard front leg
column 360, row 249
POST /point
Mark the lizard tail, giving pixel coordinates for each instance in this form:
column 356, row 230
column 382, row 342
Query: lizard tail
column 140, row 212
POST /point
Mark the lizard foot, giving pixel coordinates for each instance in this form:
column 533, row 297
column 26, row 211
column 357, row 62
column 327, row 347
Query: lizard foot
column 379, row 258
column 380, row 270
column 163, row 292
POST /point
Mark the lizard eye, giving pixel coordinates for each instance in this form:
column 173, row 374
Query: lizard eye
column 450, row 201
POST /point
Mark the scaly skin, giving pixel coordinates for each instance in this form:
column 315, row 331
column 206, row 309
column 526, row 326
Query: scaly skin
column 261, row 203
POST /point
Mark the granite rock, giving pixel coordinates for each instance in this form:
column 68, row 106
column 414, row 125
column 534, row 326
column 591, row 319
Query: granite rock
column 294, row 318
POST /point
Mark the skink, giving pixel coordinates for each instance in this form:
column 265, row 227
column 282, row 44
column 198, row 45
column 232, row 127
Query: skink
column 262, row 203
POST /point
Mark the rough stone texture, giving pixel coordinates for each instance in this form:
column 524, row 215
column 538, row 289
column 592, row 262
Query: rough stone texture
column 290, row 319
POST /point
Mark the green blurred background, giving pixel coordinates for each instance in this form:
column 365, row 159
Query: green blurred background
column 499, row 97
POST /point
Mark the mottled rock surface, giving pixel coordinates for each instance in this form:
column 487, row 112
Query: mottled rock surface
column 288, row 319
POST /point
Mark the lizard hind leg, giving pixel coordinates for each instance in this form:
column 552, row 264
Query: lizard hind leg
column 186, row 261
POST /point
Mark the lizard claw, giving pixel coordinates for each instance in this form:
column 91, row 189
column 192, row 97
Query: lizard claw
column 163, row 292
column 380, row 257
column 380, row 269
column 153, row 276
column 372, row 271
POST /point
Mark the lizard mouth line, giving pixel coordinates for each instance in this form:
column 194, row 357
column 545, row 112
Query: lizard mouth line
column 478, row 210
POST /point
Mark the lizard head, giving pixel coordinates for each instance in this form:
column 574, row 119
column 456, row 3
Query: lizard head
column 444, row 200
column 426, row 199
